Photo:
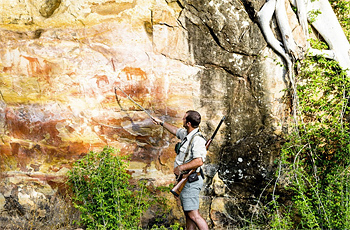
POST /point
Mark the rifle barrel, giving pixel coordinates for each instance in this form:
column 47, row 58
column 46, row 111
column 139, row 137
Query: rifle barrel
column 218, row 127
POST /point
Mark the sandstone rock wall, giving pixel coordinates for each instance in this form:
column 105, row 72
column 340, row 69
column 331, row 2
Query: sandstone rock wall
column 60, row 61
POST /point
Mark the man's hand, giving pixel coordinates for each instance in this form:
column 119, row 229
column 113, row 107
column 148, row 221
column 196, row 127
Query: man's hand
column 172, row 129
column 157, row 121
column 177, row 171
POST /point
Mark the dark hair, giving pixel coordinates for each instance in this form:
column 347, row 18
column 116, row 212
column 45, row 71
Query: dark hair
column 193, row 117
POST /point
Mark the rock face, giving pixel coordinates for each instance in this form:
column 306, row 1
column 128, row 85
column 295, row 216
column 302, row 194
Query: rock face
column 61, row 60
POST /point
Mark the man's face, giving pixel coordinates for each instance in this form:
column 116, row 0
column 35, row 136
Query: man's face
column 184, row 121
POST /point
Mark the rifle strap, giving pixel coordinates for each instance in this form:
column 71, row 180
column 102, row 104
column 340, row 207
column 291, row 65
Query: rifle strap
column 189, row 146
column 188, row 150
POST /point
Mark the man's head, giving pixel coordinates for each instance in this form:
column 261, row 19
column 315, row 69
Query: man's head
column 192, row 117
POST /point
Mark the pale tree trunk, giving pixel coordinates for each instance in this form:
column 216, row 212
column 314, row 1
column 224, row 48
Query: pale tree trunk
column 325, row 23
column 328, row 27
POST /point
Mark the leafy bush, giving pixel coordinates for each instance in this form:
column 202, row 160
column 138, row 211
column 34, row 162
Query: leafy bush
column 103, row 194
column 317, row 154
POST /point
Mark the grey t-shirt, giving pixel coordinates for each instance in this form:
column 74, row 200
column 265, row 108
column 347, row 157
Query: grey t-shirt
column 197, row 148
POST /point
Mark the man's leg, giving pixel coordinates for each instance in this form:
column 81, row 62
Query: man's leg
column 193, row 219
column 190, row 225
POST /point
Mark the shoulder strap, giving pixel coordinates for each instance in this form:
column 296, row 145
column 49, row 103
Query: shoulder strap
column 189, row 145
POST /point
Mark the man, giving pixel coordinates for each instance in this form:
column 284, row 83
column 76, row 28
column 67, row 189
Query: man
column 191, row 155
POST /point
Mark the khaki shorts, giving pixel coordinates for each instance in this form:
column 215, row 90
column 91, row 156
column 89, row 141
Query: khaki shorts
column 189, row 196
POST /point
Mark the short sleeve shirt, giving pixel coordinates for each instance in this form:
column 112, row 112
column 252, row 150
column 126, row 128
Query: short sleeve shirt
column 197, row 148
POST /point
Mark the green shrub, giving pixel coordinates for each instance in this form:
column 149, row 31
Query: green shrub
column 103, row 194
column 317, row 154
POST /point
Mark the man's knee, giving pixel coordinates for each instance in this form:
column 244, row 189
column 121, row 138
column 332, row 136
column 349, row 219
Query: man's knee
column 194, row 215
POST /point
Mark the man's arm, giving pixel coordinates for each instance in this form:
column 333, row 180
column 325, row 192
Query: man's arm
column 172, row 129
column 193, row 164
column 198, row 153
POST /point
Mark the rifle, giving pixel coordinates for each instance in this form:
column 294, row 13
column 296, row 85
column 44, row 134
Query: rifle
column 183, row 178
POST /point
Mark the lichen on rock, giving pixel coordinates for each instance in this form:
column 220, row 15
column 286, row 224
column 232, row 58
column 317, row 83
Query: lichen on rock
column 49, row 7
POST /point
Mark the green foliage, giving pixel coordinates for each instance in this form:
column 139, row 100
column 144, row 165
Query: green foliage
column 312, row 15
column 342, row 10
column 317, row 155
column 317, row 44
column 103, row 194
column 277, row 219
column 323, row 102
column 315, row 159
column 172, row 227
